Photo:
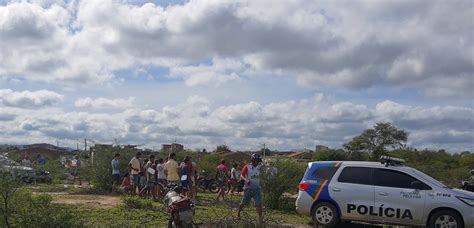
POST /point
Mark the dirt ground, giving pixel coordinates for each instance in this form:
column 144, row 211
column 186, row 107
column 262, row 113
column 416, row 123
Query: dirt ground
column 90, row 200
column 108, row 201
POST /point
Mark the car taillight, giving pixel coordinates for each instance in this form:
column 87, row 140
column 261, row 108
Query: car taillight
column 304, row 186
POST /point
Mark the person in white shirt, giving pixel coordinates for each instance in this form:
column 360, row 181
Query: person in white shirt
column 160, row 177
column 134, row 167
column 234, row 177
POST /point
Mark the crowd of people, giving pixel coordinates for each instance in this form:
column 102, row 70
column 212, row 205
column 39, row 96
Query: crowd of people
column 150, row 176
column 26, row 161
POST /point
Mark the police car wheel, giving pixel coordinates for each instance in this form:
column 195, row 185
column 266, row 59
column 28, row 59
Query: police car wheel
column 445, row 219
column 325, row 214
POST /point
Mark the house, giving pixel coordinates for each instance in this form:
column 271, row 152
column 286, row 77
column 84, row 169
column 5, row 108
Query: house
column 48, row 151
column 320, row 148
column 174, row 147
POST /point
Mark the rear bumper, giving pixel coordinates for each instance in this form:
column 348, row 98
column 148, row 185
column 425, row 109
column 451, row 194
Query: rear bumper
column 303, row 203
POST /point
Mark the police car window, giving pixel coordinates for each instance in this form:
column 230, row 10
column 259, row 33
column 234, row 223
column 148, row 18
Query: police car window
column 395, row 179
column 325, row 173
column 356, row 175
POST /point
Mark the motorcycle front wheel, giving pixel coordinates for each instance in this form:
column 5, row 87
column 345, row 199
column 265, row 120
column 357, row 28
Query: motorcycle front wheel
column 213, row 187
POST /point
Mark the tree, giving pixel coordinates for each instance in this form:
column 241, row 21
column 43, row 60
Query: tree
column 8, row 188
column 222, row 148
column 330, row 155
column 376, row 140
column 266, row 152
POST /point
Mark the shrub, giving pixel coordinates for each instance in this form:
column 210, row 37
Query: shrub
column 285, row 180
column 55, row 168
column 101, row 171
column 132, row 202
column 20, row 208
column 38, row 211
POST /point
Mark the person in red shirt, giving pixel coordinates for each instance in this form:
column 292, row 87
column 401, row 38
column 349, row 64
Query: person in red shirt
column 222, row 178
column 252, row 190
column 126, row 186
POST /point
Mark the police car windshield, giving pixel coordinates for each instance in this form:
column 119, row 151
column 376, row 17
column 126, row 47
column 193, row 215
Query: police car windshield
column 7, row 161
column 428, row 178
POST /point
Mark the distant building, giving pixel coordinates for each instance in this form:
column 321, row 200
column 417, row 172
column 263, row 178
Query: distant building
column 320, row 148
column 48, row 151
column 175, row 147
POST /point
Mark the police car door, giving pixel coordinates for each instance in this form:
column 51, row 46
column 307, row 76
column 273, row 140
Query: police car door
column 399, row 197
column 354, row 193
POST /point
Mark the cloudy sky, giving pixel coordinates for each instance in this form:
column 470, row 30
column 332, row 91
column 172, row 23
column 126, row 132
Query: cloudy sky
column 290, row 74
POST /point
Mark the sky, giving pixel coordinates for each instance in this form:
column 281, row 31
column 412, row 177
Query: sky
column 288, row 74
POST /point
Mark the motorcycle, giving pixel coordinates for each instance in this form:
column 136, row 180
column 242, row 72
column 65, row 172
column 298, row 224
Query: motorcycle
column 204, row 183
column 180, row 208
column 239, row 186
column 43, row 176
column 466, row 186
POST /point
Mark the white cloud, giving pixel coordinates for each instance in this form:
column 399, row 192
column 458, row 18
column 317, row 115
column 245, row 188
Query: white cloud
column 348, row 44
column 29, row 99
column 423, row 47
column 104, row 103
column 221, row 71
column 281, row 125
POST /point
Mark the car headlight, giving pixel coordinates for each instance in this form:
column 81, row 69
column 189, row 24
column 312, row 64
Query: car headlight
column 467, row 201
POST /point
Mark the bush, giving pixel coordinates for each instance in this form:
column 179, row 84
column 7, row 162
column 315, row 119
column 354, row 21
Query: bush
column 55, row 168
column 38, row 211
column 132, row 202
column 101, row 171
column 330, row 155
column 285, row 180
column 20, row 208
column 209, row 163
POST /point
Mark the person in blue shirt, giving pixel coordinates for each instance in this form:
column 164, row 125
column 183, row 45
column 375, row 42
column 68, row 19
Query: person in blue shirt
column 40, row 160
column 115, row 172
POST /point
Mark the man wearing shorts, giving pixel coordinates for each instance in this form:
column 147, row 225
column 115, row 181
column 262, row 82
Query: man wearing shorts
column 134, row 170
column 149, row 170
column 115, row 172
column 252, row 190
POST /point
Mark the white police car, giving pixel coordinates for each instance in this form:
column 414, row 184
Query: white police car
column 381, row 192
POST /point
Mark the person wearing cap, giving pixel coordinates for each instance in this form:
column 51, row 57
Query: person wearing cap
column 251, row 175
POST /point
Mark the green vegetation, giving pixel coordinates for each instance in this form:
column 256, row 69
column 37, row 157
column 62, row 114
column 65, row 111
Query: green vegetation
column 207, row 212
column 55, row 168
column 375, row 141
column 132, row 202
column 281, row 176
column 20, row 208
column 101, row 171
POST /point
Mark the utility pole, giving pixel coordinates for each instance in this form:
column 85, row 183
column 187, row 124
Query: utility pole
column 264, row 150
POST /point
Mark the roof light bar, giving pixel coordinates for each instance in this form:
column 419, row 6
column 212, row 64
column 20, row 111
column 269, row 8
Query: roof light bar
column 387, row 160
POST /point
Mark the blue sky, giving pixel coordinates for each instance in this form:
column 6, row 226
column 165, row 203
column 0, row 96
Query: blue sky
column 290, row 74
